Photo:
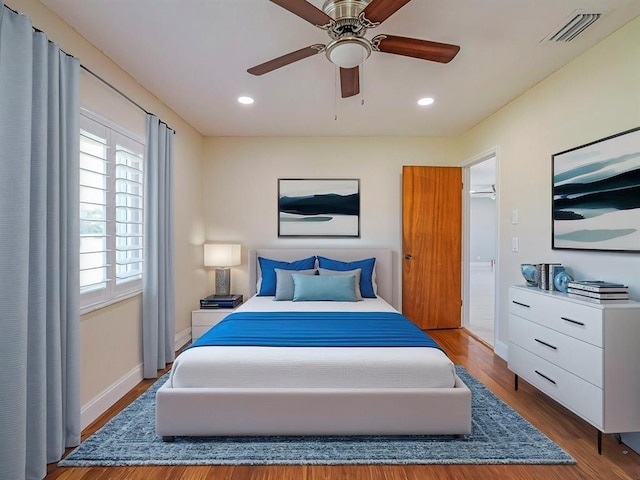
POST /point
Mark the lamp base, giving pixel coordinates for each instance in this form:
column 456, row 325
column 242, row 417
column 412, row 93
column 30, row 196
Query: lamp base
column 223, row 281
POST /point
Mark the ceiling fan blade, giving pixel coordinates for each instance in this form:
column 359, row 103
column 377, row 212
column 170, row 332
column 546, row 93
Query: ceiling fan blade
column 379, row 10
column 350, row 81
column 284, row 60
column 413, row 47
column 306, row 11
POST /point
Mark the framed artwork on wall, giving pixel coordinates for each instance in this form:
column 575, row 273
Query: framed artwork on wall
column 596, row 195
column 322, row 207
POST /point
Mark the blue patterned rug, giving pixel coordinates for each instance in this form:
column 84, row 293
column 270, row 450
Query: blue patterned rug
column 499, row 436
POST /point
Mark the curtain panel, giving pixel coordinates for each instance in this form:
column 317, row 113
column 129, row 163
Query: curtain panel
column 39, row 250
column 158, row 304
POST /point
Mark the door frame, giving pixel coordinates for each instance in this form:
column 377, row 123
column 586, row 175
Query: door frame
column 499, row 347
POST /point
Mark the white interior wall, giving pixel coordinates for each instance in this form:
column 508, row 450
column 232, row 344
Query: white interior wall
column 596, row 95
column 241, row 185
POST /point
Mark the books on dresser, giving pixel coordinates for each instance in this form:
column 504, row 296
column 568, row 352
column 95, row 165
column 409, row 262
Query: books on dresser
column 598, row 300
column 598, row 286
column 545, row 274
column 598, row 291
column 587, row 293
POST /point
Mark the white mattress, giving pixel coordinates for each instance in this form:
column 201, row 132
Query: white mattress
column 313, row 367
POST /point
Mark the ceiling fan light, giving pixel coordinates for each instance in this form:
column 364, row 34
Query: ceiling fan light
column 348, row 52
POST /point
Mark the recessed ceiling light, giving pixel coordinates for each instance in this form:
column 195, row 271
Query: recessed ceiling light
column 423, row 102
column 245, row 100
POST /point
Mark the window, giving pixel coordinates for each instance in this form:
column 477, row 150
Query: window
column 111, row 211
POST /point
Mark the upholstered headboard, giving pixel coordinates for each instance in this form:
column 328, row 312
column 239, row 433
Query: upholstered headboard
column 384, row 263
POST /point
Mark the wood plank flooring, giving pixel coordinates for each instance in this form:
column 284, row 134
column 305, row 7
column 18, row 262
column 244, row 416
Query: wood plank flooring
column 573, row 434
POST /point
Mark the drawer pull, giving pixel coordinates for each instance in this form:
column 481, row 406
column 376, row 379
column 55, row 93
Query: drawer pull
column 545, row 344
column 545, row 377
column 572, row 321
column 521, row 304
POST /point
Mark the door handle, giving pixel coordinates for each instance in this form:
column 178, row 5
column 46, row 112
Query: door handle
column 408, row 256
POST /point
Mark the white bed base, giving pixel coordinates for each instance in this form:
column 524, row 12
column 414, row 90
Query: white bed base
column 314, row 411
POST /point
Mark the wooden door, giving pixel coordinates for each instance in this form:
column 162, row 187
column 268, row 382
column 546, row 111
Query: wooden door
column 432, row 246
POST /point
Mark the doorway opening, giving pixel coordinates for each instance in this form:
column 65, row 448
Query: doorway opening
column 481, row 248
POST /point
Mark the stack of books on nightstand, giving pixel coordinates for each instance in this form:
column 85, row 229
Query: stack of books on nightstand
column 221, row 301
column 598, row 291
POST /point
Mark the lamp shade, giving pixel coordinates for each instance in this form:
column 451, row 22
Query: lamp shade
column 221, row 255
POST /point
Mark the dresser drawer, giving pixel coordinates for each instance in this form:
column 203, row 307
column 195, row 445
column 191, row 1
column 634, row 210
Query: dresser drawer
column 578, row 395
column 578, row 357
column 558, row 313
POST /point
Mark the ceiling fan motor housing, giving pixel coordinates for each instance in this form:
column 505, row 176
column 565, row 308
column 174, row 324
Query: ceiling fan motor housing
column 339, row 9
column 349, row 48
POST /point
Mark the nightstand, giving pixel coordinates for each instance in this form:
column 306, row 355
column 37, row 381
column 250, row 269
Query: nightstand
column 203, row 319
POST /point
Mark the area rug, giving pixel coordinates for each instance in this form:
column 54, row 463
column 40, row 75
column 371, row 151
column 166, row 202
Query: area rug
column 499, row 436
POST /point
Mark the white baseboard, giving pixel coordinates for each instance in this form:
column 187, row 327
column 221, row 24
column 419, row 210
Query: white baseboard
column 182, row 338
column 99, row 404
column 502, row 350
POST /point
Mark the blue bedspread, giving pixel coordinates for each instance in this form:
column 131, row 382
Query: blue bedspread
column 316, row 329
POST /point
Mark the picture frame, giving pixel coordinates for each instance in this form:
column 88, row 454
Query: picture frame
column 319, row 207
column 596, row 195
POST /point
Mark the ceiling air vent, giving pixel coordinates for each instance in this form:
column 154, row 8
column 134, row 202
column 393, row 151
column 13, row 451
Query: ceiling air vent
column 574, row 26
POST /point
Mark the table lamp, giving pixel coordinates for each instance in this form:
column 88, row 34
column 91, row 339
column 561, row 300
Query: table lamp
column 222, row 256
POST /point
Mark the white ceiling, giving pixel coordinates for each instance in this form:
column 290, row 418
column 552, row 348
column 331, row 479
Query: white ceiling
column 193, row 55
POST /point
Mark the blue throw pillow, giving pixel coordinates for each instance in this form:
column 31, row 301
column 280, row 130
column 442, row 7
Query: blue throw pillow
column 268, row 273
column 336, row 288
column 356, row 273
column 366, row 278
column 284, row 282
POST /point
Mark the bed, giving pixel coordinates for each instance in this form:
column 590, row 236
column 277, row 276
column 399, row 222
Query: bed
column 230, row 389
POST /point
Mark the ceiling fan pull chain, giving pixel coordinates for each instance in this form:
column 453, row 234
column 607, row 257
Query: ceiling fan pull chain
column 335, row 93
column 361, row 72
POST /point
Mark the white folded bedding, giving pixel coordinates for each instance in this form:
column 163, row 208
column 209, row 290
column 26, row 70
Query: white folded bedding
column 312, row 367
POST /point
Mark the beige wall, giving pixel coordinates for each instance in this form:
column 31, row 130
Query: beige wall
column 240, row 183
column 596, row 95
column 110, row 337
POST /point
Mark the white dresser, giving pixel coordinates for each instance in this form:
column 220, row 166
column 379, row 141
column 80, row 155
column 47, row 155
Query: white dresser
column 584, row 355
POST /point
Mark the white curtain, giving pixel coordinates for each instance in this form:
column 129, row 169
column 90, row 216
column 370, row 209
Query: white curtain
column 39, row 250
column 158, row 305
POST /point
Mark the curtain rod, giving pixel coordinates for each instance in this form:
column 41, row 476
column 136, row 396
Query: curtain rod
column 94, row 74
column 122, row 94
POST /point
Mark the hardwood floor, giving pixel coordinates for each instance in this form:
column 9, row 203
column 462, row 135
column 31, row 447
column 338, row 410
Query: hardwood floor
column 573, row 434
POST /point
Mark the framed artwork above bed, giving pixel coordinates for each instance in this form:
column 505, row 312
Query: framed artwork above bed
column 320, row 207
column 596, row 195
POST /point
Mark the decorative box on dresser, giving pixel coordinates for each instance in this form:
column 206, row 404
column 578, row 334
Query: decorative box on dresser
column 584, row 355
column 205, row 318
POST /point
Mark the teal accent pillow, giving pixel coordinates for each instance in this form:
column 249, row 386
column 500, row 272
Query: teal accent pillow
column 336, row 288
column 356, row 273
column 367, row 278
column 284, row 282
column 268, row 274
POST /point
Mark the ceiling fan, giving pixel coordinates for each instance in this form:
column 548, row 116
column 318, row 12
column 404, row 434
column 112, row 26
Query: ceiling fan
column 346, row 22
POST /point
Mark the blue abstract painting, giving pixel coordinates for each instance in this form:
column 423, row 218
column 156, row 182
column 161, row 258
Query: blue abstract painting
column 596, row 195
column 318, row 207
